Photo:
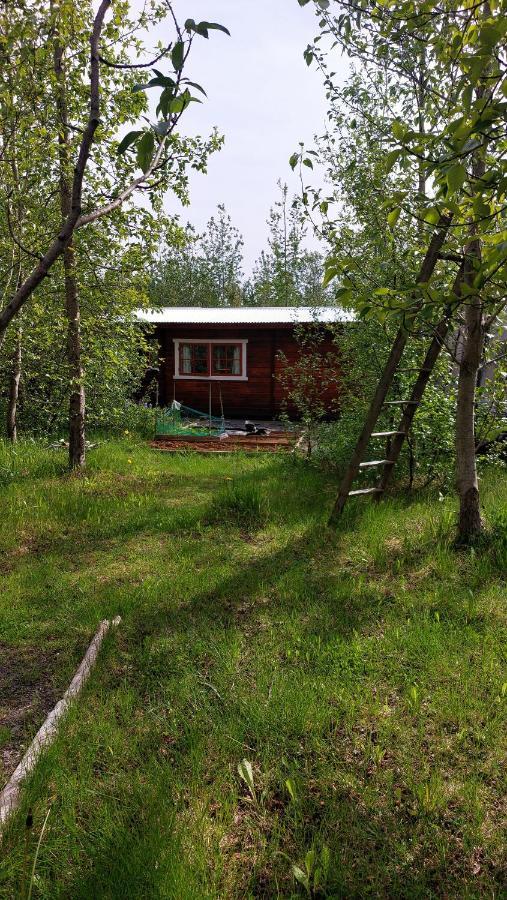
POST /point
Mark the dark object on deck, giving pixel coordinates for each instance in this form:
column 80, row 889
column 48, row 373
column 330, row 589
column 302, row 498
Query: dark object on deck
column 252, row 428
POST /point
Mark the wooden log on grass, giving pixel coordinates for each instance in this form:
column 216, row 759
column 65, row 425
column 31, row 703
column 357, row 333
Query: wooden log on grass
column 9, row 797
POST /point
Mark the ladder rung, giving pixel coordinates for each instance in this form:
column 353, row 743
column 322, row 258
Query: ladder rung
column 386, row 433
column 373, row 490
column 413, row 370
column 376, row 462
column 400, row 402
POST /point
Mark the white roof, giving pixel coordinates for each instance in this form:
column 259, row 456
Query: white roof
column 244, row 315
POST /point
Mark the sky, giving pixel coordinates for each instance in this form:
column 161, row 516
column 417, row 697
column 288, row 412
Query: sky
column 262, row 97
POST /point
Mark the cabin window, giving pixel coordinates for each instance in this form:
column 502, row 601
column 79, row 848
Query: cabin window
column 194, row 359
column 214, row 359
column 226, row 359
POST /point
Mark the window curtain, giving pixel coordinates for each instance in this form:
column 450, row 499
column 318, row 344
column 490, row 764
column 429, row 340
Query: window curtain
column 186, row 359
column 236, row 361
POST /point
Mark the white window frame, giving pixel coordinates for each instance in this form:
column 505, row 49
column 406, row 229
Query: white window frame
column 236, row 341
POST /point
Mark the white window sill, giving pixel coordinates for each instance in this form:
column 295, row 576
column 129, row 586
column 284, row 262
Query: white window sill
column 210, row 377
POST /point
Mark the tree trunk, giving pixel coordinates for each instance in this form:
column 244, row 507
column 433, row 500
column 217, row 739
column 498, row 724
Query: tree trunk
column 12, row 407
column 470, row 521
column 77, row 404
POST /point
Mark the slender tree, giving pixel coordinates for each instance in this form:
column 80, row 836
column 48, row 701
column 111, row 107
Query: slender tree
column 287, row 273
column 160, row 151
column 458, row 150
column 77, row 443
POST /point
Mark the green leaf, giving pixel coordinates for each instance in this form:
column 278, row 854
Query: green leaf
column 308, row 162
column 391, row 159
column 302, row 877
column 293, row 161
column 308, row 56
column 160, row 81
column 289, row 784
column 145, row 150
column 398, row 130
column 490, row 34
column 456, row 177
column 329, row 274
column 196, row 86
column 177, row 55
column 343, row 294
column 127, row 141
column 310, row 861
column 203, row 28
column 180, row 103
column 481, row 208
column 165, row 101
column 393, row 216
column 245, row 772
column 214, row 26
column 431, row 215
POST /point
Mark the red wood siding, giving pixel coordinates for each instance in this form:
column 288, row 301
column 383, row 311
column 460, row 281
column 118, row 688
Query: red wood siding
column 261, row 396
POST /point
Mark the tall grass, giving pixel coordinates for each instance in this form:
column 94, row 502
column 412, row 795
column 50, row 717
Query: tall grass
column 284, row 711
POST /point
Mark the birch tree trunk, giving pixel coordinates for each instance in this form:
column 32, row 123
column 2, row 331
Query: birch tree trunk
column 470, row 521
column 12, row 406
column 77, row 402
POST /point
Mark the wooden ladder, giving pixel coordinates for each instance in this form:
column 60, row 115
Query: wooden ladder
column 409, row 405
column 378, row 403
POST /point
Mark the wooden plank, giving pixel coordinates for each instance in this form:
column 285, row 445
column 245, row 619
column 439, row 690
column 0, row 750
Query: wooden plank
column 386, row 433
column 9, row 797
column 372, row 490
column 375, row 462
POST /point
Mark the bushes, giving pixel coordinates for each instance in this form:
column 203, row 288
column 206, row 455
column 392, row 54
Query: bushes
column 127, row 416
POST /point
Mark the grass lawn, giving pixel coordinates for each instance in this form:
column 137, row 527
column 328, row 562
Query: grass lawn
column 362, row 674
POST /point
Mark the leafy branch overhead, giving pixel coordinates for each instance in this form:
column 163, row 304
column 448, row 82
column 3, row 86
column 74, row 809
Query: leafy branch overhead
column 451, row 59
column 174, row 99
column 158, row 150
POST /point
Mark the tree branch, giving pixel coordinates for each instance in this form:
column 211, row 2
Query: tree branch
column 58, row 246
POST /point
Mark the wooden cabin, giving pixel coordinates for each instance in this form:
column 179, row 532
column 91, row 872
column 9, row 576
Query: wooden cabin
column 231, row 358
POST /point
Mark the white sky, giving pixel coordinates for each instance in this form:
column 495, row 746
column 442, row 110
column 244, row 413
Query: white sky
column 264, row 99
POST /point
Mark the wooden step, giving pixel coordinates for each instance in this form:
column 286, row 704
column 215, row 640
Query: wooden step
column 386, row 433
column 375, row 462
column 372, row 490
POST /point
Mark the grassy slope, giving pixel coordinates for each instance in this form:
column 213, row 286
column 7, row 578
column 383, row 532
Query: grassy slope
column 366, row 668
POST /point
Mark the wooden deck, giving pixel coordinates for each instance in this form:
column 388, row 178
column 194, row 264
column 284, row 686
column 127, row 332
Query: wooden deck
column 270, row 443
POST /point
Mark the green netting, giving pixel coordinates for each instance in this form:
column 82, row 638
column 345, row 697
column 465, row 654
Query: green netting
column 178, row 419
